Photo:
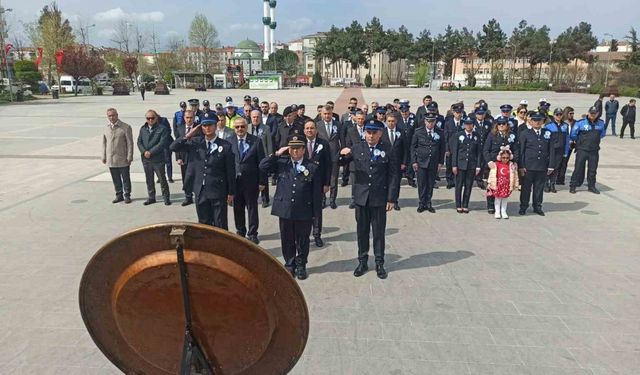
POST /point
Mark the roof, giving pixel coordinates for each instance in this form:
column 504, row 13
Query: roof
column 248, row 44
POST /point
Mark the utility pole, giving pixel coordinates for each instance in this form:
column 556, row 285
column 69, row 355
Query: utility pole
column 606, row 76
column 4, row 51
column 433, row 66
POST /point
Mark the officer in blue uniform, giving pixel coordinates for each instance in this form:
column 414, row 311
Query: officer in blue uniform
column 452, row 126
column 295, row 201
column 194, row 105
column 207, row 108
column 427, row 156
column 482, row 128
column 587, row 134
column 536, row 155
column 500, row 136
column 214, row 167
column 505, row 111
column 178, row 117
column 376, row 186
column 465, row 160
column 560, row 143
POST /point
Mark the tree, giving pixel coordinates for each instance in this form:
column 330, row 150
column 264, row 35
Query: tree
column 203, row 35
column 27, row 72
column 399, row 46
column 53, row 33
column 122, row 36
column 79, row 64
column 491, row 43
column 448, row 45
column 130, row 65
column 374, row 39
column 356, row 47
column 538, row 49
column 282, row 60
column 633, row 58
column 468, row 44
column 574, row 44
column 518, row 46
column 316, row 80
column 613, row 46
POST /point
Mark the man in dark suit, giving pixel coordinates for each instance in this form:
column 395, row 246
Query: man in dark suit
column 351, row 110
column 248, row 151
column 295, row 201
column 163, row 121
column 427, row 157
column 274, row 118
column 376, row 185
column 399, row 145
column 214, row 168
column 180, row 129
column 319, row 152
column 287, row 127
column 262, row 131
column 452, row 126
column 152, row 141
column 331, row 130
column 421, row 112
column 534, row 163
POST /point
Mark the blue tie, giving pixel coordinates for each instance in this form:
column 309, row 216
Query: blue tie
column 241, row 148
column 210, row 147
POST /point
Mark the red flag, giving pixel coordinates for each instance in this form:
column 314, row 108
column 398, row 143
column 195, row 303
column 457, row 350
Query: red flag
column 39, row 59
column 59, row 57
column 8, row 47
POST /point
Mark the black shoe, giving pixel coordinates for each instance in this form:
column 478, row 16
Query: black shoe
column 380, row 271
column 621, row 136
column 539, row 212
column 633, row 137
column 559, row 182
column 594, row 190
column 171, row 180
column 431, row 209
column 547, row 189
column 420, row 209
column 319, row 242
column 118, row 199
column 265, row 204
column 292, row 270
column 572, row 190
column 491, row 211
column 553, row 189
column 149, row 201
column 451, row 186
column 352, row 205
column 127, row 200
column 187, row 202
column 324, row 204
column 167, row 202
column 522, row 212
column 396, row 207
column 361, row 269
column 254, row 239
column 344, row 183
column 413, row 184
column 333, row 205
column 274, row 182
column 301, row 272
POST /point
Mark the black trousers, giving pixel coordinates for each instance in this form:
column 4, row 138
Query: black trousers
column 553, row 177
column 532, row 181
column 294, row 240
column 317, row 225
column 158, row 169
column 582, row 157
column 484, row 172
column 335, row 170
column 212, row 212
column 168, row 162
column 187, row 182
column 371, row 219
column 426, row 182
column 464, row 185
column 121, row 181
column 631, row 126
column 246, row 198
column 265, row 193
column 449, row 170
column 562, row 169
column 346, row 172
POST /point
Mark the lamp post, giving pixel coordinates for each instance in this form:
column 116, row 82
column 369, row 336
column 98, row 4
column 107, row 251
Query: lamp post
column 87, row 35
column 606, row 75
column 4, row 51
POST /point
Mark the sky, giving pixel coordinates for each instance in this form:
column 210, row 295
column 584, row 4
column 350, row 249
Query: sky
column 240, row 19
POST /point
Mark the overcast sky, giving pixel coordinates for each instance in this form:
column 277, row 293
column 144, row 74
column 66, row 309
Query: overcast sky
column 240, row 19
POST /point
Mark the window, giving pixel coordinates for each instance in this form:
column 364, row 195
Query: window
column 374, row 66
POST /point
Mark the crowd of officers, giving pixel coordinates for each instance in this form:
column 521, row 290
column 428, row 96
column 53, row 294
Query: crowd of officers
column 228, row 153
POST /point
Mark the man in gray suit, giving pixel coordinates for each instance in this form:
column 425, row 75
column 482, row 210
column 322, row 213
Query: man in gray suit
column 152, row 141
column 331, row 130
column 117, row 154
column 262, row 131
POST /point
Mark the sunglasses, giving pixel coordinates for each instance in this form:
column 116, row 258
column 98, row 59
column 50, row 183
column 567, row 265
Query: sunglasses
column 522, row 112
column 241, row 127
column 571, row 113
column 151, row 118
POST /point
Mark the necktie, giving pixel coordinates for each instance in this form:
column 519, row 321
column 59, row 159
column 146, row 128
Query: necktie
column 457, row 125
column 392, row 135
column 310, row 149
column 241, row 146
column 295, row 168
column 468, row 136
column 188, row 128
column 537, row 133
column 210, row 147
column 328, row 127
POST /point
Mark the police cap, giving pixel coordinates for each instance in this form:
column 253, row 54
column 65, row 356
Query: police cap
column 194, row 101
column 374, row 125
column 295, row 140
column 209, row 119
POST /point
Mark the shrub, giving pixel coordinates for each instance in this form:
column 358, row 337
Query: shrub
column 316, row 80
column 368, row 81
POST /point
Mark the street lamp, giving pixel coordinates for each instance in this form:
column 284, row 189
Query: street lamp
column 4, row 51
column 87, row 35
column 606, row 75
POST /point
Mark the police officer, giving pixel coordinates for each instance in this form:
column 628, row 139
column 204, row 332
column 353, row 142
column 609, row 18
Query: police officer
column 295, row 201
column 560, row 143
column 287, row 127
column 500, row 136
column 407, row 125
column 505, row 111
column 214, row 169
column 318, row 151
column 536, row 155
column 355, row 134
column 482, row 128
column 194, row 105
column 330, row 130
column 376, row 186
column 427, row 156
column 400, row 145
column 207, row 107
column 452, row 126
column 231, row 114
column 465, row 162
column 178, row 117
column 587, row 134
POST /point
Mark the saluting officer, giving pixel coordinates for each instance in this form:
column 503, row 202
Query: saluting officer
column 560, row 144
column 376, row 186
column 319, row 152
column 295, row 201
column 587, row 134
column 501, row 135
column 399, row 143
column 330, row 130
column 536, row 155
column 465, row 161
column 427, row 156
column 214, row 170
column 452, row 126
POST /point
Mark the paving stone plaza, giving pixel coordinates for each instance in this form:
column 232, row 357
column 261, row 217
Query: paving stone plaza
column 466, row 294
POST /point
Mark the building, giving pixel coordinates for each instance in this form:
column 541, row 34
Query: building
column 249, row 55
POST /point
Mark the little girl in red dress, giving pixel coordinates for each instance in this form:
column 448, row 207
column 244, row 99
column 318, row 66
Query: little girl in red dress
column 503, row 179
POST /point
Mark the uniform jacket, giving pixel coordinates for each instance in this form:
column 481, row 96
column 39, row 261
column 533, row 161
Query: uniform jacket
column 450, row 131
column 153, row 140
column 465, row 153
column 297, row 192
column 335, row 139
column 322, row 157
column 117, row 145
column 536, row 153
column 248, row 173
column 492, row 145
column 427, row 150
column 560, row 138
column 272, row 122
column 284, row 131
column 587, row 135
column 214, row 173
column 178, row 118
column 376, row 175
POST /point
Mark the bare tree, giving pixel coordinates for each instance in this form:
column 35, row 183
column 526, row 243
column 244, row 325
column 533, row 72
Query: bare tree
column 154, row 43
column 123, row 36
